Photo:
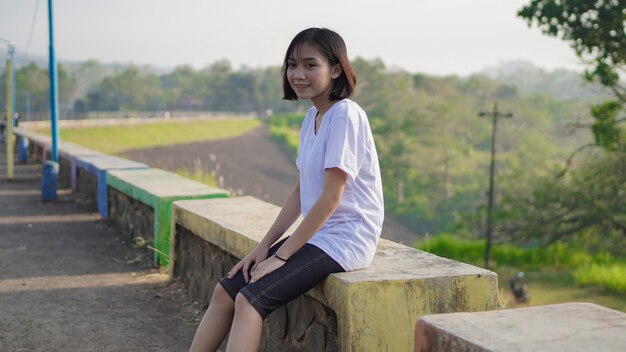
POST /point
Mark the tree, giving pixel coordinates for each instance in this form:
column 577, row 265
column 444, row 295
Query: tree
column 132, row 89
column 588, row 206
column 33, row 80
column 595, row 30
column 586, row 203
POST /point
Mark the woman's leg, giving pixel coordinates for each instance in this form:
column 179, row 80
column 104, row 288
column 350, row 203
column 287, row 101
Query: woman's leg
column 247, row 325
column 305, row 269
column 215, row 323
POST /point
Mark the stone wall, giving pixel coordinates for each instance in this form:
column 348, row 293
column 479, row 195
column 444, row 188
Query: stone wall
column 372, row 309
column 131, row 216
column 35, row 151
column 65, row 173
column 87, row 185
column 304, row 324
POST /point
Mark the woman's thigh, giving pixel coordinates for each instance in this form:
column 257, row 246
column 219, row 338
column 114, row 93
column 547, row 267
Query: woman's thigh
column 305, row 269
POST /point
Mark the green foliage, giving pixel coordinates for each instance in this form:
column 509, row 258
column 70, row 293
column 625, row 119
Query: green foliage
column 595, row 30
column 610, row 276
column 285, row 129
column 605, row 128
column 556, row 255
column 131, row 89
column 215, row 88
column 600, row 270
column 586, row 205
column 32, row 81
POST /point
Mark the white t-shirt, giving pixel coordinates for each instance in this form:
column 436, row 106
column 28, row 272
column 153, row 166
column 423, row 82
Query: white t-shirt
column 344, row 141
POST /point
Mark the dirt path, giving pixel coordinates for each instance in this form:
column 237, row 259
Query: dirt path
column 68, row 283
column 251, row 164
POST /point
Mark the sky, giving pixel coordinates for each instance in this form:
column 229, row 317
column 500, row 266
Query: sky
column 438, row 37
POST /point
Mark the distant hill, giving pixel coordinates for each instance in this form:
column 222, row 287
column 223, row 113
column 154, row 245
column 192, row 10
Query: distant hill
column 561, row 84
column 73, row 65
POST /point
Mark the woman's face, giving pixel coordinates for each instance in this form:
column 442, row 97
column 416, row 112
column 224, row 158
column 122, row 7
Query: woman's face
column 310, row 74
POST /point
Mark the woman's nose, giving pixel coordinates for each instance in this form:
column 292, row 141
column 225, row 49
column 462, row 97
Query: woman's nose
column 298, row 74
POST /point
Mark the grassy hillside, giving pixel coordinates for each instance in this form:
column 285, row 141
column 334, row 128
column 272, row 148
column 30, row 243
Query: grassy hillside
column 116, row 139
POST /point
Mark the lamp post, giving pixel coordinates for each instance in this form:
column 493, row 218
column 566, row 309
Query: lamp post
column 10, row 102
column 54, row 88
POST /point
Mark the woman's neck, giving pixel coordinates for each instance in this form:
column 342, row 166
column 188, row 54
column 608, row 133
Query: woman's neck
column 323, row 105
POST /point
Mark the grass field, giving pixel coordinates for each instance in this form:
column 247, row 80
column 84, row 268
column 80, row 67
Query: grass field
column 557, row 273
column 116, row 139
column 551, row 286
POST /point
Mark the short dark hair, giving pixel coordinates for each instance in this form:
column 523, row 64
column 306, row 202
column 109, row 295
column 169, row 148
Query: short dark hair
column 333, row 48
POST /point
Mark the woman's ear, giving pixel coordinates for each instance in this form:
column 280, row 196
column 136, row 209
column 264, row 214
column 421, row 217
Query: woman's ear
column 335, row 71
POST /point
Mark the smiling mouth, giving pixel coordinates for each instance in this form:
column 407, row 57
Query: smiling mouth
column 301, row 86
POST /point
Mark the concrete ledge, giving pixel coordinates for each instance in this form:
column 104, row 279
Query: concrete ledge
column 70, row 152
column 99, row 166
column 561, row 327
column 158, row 189
column 40, row 145
column 376, row 308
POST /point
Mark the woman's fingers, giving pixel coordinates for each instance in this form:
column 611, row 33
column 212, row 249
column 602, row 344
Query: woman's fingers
column 265, row 268
column 235, row 269
column 253, row 259
column 246, row 274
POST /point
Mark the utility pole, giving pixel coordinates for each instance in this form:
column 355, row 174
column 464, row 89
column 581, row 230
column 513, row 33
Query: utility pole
column 10, row 105
column 495, row 115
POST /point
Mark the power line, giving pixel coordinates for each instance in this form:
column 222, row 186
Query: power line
column 32, row 28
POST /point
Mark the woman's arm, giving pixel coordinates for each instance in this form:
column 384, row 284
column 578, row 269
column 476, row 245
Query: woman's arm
column 287, row 216
column 322, row 209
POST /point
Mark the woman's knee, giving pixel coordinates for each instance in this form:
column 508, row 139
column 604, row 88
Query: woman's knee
column 221, row 297
column 242, row 304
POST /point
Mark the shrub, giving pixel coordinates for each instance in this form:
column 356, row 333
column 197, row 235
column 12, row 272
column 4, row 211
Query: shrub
column 610, row 276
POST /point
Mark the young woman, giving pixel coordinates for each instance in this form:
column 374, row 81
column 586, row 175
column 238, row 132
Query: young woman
column 338, row 193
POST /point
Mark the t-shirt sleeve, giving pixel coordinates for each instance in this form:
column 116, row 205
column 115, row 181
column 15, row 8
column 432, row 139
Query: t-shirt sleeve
column 342, row 145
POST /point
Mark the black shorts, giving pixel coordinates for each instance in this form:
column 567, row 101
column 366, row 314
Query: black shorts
column 305, row 269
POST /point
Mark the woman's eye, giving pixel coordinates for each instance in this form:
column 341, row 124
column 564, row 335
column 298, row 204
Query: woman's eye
column 310, row 65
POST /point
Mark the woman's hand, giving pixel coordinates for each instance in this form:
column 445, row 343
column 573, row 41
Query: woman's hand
column 267, row 266
column 258, row 255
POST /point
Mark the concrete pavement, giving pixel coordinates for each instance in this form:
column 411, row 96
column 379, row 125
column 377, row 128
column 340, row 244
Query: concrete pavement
column 68, row 282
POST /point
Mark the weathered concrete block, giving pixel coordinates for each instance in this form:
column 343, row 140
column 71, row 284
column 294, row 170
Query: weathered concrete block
column 37, row 143
column 374, row 309
column 70, row 152
column 99, row 166
column 158, row 189
column 561, row 327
